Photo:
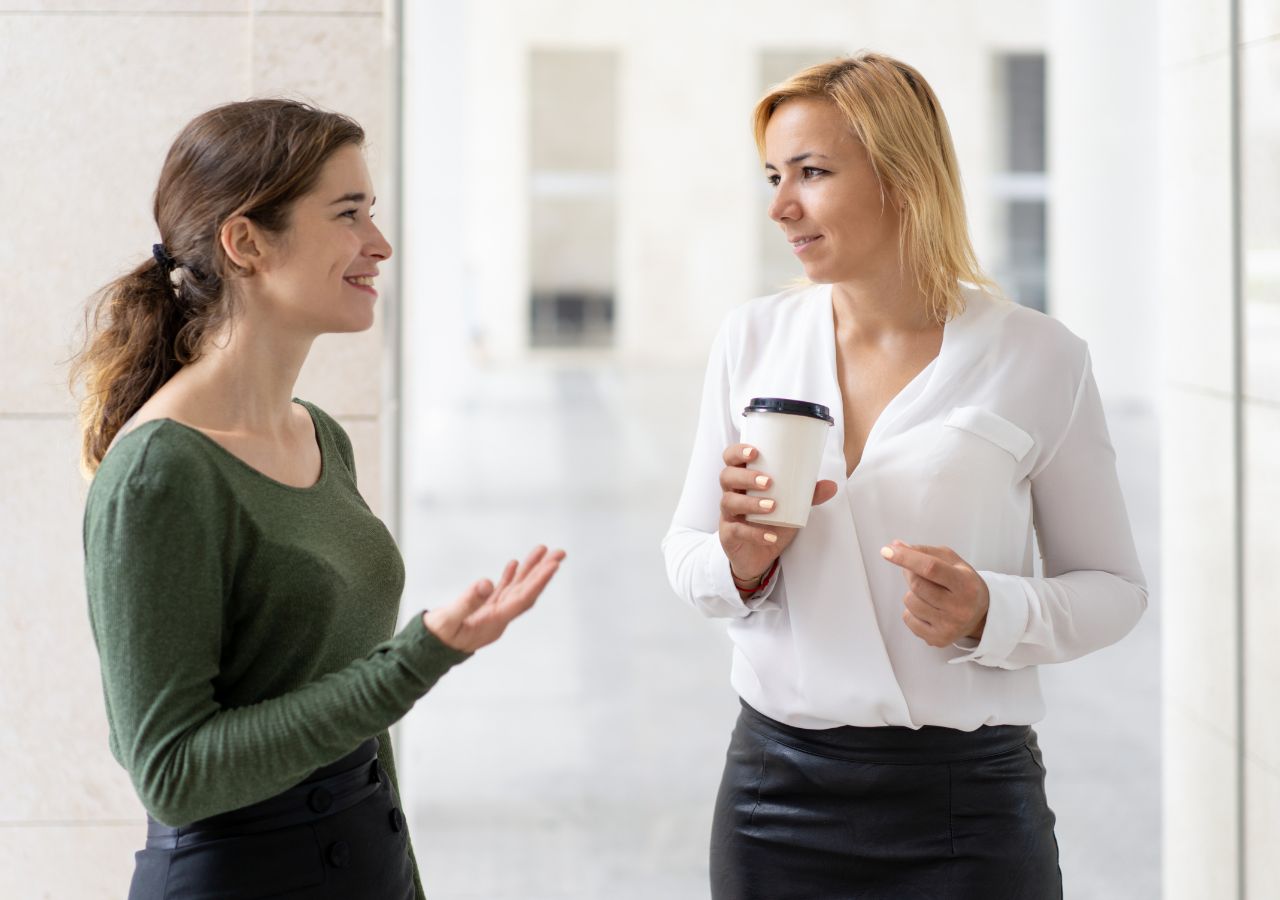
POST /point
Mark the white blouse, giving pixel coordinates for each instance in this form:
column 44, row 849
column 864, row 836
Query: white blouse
column 1003, row 430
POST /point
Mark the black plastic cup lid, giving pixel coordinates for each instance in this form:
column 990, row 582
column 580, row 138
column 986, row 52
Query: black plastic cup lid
column 790, row 407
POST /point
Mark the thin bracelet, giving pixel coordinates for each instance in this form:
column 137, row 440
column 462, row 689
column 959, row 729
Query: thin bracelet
column 759, row 582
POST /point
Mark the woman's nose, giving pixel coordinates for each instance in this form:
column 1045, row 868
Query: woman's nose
column 783, row 206
column 378, row 246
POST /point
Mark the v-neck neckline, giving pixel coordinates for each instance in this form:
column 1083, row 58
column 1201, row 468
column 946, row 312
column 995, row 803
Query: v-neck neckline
column 910, row 392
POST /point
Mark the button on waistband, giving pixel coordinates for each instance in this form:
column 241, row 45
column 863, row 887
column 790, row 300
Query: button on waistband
column 320, row 800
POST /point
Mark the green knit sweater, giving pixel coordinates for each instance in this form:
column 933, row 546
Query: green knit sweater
column 244, row 626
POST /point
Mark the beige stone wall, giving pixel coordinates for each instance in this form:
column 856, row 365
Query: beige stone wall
column 93, row 93
column 1222, row 674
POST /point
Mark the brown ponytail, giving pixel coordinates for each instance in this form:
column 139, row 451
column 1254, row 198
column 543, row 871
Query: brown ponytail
column 249, row 159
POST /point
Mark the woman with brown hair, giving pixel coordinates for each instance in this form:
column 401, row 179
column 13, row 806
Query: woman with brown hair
column 886, row 654
column 242, row 594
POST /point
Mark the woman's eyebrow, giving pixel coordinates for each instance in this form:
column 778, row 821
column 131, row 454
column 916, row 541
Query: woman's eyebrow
column 799, row 157
column 353, row 198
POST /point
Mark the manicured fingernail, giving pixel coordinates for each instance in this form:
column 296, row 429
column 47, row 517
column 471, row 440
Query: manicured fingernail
column 766, row 505
column 886, row 552
column 762, row 480
column 746, row 452
column 771, row 537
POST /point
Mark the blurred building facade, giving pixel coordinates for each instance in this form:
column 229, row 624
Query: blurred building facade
column 1145, row 220
column 582, row 206
column 613, row 197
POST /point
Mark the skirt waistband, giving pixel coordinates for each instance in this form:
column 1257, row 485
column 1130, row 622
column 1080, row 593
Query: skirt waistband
column 888, row 744
column 326, row 791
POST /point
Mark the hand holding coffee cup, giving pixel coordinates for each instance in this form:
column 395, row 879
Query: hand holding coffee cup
column 763, row 507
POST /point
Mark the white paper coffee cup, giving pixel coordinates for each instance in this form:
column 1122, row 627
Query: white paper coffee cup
column 789, row 437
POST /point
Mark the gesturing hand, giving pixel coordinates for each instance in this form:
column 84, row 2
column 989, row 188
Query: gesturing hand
column 752, row 548
column 479, row 616
column 946, row 598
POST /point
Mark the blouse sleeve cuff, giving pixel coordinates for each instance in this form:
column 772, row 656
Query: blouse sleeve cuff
column 719, row 580
column 1006, row 622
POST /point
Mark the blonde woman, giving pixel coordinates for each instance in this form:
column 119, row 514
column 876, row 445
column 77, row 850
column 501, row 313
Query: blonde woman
column 242, row 595
column 886, row 654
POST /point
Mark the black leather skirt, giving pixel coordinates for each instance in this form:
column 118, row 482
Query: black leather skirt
column 882, row 814
column 339, row 834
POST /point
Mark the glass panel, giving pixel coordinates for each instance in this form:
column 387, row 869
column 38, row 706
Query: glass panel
column 571, row 110
column 1260, row 239
column 1027, row 250
column 1260, row 189
column 1021, row 187
column 1025, row 98
column 572, row 208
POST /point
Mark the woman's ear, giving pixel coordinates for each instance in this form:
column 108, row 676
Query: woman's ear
column 896, row 198
column 243, row 243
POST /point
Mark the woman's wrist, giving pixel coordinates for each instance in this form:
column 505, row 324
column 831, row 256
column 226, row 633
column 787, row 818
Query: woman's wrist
column 752, row 584
column 744, row 582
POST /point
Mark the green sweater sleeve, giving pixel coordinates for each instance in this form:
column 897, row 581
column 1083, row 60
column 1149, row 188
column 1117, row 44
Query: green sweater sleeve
column 157, row 578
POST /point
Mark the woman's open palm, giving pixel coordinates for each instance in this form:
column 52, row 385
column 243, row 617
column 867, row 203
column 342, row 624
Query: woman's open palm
column 479, row 616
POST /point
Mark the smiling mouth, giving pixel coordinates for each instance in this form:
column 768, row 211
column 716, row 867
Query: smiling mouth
column 360, row 280
column 798, row 244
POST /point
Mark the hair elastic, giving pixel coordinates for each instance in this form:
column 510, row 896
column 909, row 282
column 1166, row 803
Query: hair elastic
column 162, row 257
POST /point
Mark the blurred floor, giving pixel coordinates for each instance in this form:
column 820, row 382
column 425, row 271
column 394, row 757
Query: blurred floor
column 579, row 757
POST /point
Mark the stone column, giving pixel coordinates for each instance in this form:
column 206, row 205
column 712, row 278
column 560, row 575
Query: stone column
column 94, row 95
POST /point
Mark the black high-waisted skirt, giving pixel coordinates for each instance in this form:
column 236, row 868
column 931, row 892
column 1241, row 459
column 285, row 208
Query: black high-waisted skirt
column 882, row 814
column 339, row 834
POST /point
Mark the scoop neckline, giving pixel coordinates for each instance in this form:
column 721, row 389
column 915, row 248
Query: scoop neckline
column 320, row 442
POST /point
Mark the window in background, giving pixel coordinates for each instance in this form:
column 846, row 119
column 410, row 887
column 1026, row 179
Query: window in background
column 778, row 266
column 572, row 206
column 1022, row 187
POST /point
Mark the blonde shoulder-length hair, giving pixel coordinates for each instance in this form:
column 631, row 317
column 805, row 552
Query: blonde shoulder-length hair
column 894, row 113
